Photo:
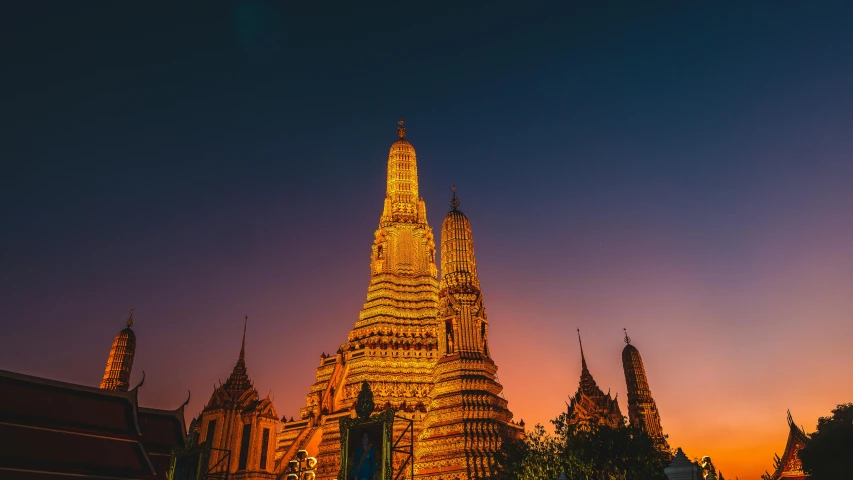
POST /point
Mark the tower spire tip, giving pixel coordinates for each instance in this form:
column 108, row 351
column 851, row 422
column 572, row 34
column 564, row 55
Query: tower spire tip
column 130, row 319
column 454, row 202
column 401, row 130
column 243, row 345
column 627, row 338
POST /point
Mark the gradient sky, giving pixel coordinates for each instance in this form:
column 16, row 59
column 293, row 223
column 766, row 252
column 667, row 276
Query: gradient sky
column 682, row 169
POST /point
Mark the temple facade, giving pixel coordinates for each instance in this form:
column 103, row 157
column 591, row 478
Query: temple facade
column 589, row 406
column 239, row 426
column 642, row 410
column 395, row 344
column 120, row 361
column 789, row 466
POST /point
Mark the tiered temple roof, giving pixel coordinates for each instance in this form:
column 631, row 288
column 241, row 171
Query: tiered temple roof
column 591, row 406
column 238, row 391
column 52, row 429
column 789, row 466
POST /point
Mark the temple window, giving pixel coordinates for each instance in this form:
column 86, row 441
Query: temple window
column 244, row 446
column 211, row 430
column 265, row 444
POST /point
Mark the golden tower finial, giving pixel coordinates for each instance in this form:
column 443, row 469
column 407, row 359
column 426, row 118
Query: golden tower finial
column 401, row 130
column 130, row 319
column 627, row 338
column 583, row 359
column 454, row 202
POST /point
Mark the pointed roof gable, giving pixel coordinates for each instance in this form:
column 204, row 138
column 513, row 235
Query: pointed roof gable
column 590, row 404
column 789, row 466
column 238, row 391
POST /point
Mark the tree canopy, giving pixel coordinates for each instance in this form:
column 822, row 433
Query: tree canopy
column 584, row 453
column 827, row 454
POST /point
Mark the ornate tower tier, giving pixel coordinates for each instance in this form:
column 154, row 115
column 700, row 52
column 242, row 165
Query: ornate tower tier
column 394, row 343
column 591, row 406
column 642, row 411
column 120, row 361
column 467, row 419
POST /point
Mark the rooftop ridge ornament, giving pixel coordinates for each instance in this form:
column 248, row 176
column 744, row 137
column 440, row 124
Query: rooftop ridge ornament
column 364, row 403
column 401, row 130
column 627, row 338
column 454, row 203
column 130, row 319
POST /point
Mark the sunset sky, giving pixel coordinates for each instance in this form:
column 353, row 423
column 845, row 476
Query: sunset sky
column 683, row 170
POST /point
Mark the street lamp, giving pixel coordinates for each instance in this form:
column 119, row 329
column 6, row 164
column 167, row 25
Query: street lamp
column 302, row 467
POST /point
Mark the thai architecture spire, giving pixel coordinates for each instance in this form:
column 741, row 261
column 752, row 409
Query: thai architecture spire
column 642, row 410
column 467, row 418
column 393, row 344
column 120, row 361
column 589, row 405
column 238, row 420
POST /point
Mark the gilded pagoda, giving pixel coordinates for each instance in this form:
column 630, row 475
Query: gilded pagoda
column 415, row 343
column 642, row 409
column 120, row 361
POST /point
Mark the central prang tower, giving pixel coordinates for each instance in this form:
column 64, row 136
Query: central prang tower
column 394, row 343
column 423, row 353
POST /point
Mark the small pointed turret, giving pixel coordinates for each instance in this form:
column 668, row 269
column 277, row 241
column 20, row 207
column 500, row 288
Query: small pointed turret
column 120, row 361
column 238, row 382
column 458, row 265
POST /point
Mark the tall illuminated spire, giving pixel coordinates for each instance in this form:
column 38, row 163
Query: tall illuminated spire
column 402, row 202
column 468, row 419
column 393, row 344
column 642, row 410
column 120, row 361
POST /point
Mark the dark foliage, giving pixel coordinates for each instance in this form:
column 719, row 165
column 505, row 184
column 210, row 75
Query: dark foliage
column 592, row 453
column 827, row 455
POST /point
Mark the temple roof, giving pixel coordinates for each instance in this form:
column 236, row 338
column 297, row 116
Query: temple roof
column 590, row 404
column 53, row 429
column 162, row 431
column 789, row 466
column 238, row 391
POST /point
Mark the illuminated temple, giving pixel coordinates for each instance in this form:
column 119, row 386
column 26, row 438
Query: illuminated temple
column 422, row 346
column 642, row 409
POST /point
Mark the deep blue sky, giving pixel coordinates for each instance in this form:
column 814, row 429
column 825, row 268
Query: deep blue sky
column 683, row 169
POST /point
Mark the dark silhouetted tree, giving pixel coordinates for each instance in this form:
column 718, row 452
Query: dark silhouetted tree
column 827, row 455
column 593, row 453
